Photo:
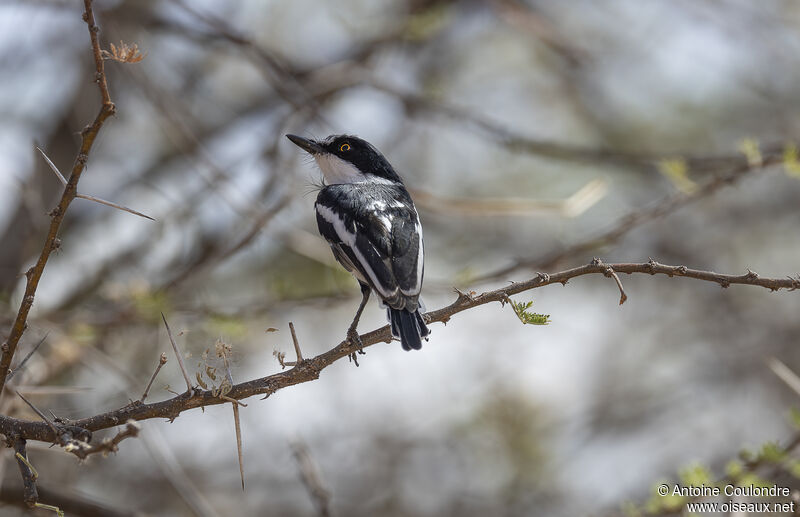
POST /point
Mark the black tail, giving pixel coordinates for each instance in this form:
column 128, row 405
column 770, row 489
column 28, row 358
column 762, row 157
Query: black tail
column 409, row 327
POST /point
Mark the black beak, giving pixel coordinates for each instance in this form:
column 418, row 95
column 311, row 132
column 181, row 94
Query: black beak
column 310, row 146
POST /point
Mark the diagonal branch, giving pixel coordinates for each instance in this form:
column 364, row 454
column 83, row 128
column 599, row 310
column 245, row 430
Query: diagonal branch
column 310, row 369
column 88, row 137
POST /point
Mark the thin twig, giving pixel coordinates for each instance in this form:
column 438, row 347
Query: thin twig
column 25, row 359
column 609, row 272
column 97, row 52
column 88, row 137
column 162, row 360
column 310, row 369
column 189, row 388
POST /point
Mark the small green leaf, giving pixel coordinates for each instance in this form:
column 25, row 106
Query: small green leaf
column 527, row 317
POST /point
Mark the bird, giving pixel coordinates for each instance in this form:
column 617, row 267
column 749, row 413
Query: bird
column 367, row 216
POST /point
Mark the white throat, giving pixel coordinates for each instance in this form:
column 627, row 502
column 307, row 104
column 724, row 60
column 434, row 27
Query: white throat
column 337, row 170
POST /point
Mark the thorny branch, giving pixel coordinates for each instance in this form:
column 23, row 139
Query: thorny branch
column 310, row 369
column 88, row 136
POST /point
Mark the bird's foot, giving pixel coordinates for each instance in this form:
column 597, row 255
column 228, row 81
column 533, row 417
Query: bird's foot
column 355, row 340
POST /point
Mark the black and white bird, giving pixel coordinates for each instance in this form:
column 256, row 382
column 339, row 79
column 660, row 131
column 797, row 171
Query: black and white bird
column 367, row 216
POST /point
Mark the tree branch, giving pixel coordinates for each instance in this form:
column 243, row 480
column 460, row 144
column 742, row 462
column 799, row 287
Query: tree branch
column 310, row 369
column 88, row 136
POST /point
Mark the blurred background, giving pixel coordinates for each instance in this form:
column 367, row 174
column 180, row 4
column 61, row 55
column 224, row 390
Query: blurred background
column 534, row 135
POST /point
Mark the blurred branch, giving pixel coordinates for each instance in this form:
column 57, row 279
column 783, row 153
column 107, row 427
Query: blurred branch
column 278, row 74
column 70, row 503
column 572, row 206
column 419, row 105
column 309, row 369
column 309, row 474
column 88, row 136
column 635, row 219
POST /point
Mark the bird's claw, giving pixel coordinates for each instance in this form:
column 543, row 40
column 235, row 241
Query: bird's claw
column 353, row 337
column 355, row 340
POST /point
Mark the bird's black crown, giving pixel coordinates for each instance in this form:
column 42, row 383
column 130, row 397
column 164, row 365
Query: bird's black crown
column 352, row 149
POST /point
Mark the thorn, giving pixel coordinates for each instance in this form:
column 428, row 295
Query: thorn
column 53, row 167
column 189, row 388
column 296, row 344
column 25, row 359
column 57, row 436
column 113, row 205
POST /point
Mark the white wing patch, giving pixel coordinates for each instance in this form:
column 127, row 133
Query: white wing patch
column 420, row 261
column 349, row 239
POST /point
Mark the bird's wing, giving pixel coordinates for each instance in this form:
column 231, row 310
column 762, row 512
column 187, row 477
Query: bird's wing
column 381, row 247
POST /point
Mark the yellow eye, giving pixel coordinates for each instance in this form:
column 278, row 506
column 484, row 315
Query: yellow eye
column 344, row 147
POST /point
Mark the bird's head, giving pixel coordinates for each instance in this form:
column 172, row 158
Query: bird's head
column 348, row 159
